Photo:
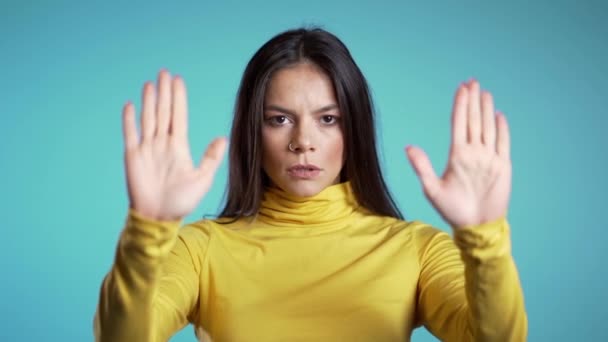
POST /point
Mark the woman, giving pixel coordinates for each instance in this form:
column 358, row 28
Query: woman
column 310, row 246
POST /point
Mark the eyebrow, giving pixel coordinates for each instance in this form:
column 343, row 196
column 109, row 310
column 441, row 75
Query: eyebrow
column 291, row 112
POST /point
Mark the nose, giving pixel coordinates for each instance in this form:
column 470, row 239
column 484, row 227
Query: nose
column 302, row 139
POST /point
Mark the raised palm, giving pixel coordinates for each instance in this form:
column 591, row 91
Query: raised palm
column 162, row 180
column 476, row 185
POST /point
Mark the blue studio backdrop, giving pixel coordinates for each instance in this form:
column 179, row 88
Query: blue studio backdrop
column 69, row 66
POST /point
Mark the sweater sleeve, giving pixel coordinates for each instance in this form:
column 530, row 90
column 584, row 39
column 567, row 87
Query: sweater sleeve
column 152, row 288
column 469, row 288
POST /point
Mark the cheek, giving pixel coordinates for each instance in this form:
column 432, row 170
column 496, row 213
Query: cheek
column 271, row 149
column 336, row 150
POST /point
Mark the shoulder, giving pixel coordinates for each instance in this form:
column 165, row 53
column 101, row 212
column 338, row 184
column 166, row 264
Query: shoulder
column 195, row 235
column 425, row 231
column 418, row 228
column 204, row 229
column 194, row 238
column 423, row 234
column 418, row 232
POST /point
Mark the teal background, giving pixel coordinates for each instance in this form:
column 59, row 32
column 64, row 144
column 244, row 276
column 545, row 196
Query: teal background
column 68, row 67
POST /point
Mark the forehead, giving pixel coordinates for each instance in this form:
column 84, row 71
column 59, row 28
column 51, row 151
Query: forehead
column 300, row 82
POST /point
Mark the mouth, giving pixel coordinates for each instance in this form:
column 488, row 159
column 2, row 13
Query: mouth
column 309, row 167
column 301, row 171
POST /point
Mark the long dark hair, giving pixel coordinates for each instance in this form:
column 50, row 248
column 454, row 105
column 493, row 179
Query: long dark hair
column 247, row 180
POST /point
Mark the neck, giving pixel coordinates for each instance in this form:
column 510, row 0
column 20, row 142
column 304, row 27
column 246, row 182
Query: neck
column 332, row 204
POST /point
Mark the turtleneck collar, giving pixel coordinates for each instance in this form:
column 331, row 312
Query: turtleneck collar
column 333, row 204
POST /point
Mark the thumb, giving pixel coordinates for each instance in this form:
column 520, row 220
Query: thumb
column 211, row 161
column 424, row 170
column 213, row 155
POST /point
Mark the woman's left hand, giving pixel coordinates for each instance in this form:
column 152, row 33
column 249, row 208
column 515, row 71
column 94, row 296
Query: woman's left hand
column 476, row 185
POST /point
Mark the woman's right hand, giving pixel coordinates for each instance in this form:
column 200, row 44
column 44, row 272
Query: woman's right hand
column 162, row 180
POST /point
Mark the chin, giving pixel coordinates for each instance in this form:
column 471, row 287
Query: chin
column 303, row 188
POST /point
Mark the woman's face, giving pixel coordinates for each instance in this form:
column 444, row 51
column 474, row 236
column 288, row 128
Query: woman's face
column 300, row 109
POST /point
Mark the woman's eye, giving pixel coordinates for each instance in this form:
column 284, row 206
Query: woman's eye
column 328, row 119
column 277, row 120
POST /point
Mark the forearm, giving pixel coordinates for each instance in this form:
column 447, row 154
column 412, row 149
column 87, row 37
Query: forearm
column 126, row 305
column 493, row 290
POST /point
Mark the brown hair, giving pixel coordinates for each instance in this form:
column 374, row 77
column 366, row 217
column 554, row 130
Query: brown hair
column 247, row 180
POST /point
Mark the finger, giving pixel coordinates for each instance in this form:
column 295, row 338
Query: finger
column 459, row 116
column 488, row 119
column 129, row 129
column 148, row 120
column 424, row 169
column 474, row 116
column 163, row 106
column 213, row 156
column 503, row 141
column 179, row 116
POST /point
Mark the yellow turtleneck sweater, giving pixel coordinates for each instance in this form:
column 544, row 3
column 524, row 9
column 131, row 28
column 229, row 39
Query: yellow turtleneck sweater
column 314, row 269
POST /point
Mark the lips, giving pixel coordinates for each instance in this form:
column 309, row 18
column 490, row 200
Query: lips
column 304, row 167
column 304, row 171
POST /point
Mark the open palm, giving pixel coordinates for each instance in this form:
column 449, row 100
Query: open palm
column 476, row 185
column 163, row 181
